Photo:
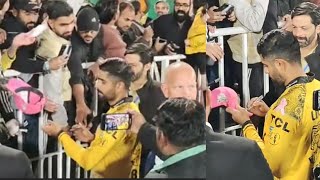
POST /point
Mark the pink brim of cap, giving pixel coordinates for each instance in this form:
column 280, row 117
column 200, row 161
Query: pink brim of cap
column 224, row 96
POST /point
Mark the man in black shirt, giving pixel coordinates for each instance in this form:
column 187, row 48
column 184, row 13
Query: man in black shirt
column 174, row 27
column 140, row 58
column 23, row 18
column 87, row 44
column 146, row 92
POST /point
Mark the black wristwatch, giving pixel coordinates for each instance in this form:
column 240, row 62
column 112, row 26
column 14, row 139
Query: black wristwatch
column 246, row 123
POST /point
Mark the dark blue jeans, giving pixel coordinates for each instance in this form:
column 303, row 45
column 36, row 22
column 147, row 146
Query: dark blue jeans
column 30, row 140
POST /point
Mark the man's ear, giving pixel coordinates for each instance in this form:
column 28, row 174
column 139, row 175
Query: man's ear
column 165, row 90
column 14, row 12
column 318, row 30
column 147, row 67
column 280, row 64
column 50, row 22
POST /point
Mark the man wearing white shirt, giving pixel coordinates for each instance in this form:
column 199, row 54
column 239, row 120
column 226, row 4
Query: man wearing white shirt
column 251, row 16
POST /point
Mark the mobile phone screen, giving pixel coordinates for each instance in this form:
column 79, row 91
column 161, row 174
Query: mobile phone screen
column 110, row 122
column 65, row 50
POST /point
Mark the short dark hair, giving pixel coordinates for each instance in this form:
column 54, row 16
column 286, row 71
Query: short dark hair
column 107, row 9
column 118, row 69
column 279, row 43
column 124, row 5
column 137, row 6
column 182, row 121
column 143, row 51
column 2, row 3
column 309, row 9
column 58, row 8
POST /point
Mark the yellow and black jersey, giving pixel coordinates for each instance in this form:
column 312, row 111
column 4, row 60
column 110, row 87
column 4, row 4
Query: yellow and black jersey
column 112, row 154
column 287, row 132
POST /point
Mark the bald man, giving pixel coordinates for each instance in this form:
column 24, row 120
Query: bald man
column 180, row 81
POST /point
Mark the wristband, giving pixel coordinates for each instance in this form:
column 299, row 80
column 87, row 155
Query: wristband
column 246, row 123
column 60, row 132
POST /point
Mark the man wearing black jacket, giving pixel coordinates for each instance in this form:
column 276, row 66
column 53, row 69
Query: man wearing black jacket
column 180, row 134
column 86, row 41
column 179, row 22
column 23, row 18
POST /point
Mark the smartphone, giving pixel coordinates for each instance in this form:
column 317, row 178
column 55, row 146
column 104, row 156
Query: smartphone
column 65, row 50
column 111, row 122
column 316, row 100
column 225, row 9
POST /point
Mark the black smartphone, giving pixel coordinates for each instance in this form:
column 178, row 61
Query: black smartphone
column 226, row 9
column 316, row 100
column 111, row 122
column 65, row 50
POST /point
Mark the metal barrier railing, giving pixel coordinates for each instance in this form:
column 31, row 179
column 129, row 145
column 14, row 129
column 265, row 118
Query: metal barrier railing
column 220, row 33
column 165, row 61
column 48, row 159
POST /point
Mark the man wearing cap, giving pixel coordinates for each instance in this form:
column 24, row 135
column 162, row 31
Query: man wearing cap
column 87, row 40
column 23, row 18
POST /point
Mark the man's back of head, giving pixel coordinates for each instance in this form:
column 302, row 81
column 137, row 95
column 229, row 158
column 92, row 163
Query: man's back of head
column 181, row 125
column 180, row 81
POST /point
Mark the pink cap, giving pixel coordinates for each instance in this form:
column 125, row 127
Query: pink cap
column 27, row 99
column 224, row 96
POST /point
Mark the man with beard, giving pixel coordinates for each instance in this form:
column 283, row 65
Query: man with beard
column 305, row 27
column 179, row 23
column 161, row 8
column 22, row 19
column 113, row 153
column 61, row 22
column 87, row 40
column 289, row 122
column 140, row 58
column 131, row 31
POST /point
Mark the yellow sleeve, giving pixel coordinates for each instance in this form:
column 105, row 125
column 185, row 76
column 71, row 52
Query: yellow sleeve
column 250, row 132
column 99, row 148
column 198, row 41
column 143, row 6
column 6, row 61
column 276, row 143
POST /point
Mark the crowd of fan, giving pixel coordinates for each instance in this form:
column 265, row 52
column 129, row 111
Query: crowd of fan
column 171, row 132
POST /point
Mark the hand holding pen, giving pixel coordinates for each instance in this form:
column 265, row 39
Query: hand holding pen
column 257, row 106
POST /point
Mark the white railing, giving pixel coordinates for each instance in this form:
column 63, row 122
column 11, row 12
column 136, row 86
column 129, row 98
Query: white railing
column 45, row 162
column 165, row 61
column 220, row 33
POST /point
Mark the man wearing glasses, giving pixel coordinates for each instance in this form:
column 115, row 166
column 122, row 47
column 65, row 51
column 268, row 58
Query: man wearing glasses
column 179, row 22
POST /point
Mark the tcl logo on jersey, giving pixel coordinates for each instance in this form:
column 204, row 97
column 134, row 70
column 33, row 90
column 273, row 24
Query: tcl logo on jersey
column 279, row 123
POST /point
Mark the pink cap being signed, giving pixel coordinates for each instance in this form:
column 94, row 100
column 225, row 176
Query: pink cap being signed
column 224, row 96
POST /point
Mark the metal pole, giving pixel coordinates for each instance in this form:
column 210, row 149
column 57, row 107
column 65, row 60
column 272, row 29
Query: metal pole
column 222, row 117
column 245, row 79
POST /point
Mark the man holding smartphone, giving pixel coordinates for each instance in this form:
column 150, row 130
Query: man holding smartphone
column 112, row 153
